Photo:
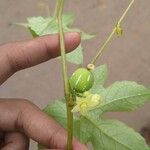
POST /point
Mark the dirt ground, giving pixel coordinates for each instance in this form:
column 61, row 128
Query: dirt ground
column 128, row 58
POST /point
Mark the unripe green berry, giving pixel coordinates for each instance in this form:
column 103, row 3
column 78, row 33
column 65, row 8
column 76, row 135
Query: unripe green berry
column 81, row 80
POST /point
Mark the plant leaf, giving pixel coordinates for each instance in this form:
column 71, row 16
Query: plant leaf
column 43, row 26
column 58, row 111
column 103, row 134
column 123, row 96
column 41, row 147
column 39, row 26
column 68, row 19
column 33, row 33
column 76, row 56
column 100, row 75
column 21, row 24
column 97, row 89
column 84, row 36
column 112, row 135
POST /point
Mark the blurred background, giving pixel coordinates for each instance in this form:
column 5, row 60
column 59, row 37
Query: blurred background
column 128, row 57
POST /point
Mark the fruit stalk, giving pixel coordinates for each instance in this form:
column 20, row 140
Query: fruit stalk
column 68, row 95
column 102, row 48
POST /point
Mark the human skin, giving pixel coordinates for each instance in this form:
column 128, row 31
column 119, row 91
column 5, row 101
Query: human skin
column 19, row 117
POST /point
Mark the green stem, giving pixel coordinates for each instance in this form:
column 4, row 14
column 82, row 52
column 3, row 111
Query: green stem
column 68, row 95
column 56, row 12
column 126, row 11
column 69, row 126
column 102, row 48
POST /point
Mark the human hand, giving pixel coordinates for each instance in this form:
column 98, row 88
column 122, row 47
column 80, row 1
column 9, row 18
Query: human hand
column 19, row 118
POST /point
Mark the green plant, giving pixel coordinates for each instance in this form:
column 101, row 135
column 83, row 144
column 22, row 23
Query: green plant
column 88, row 99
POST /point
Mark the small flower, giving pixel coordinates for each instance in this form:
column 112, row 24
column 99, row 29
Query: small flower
column 86, row 103
column 119, row 30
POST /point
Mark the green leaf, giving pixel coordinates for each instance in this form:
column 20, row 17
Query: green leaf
column 84, row 36
column 41, row 147
column 39, row 25
column 100, row 75
column 68, row 19
column 103, row 134
column 112, row 135
column 21, row 24
column 57, row 110
column 33, row 33
column 123, row 96
column 76, row 56
column 43, row 26
column 97, row 89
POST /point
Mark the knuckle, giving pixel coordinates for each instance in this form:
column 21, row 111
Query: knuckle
column 24, row 105
column 57, row 133
column 42, row 44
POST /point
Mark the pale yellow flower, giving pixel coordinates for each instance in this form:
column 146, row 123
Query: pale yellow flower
column 119, row 30
column 87, row 102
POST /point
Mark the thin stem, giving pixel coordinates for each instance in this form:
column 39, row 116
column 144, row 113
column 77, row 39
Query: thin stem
column 56, row 12
column 68, row 95
column 126, row 11
column 102, row 48
column 69, row 126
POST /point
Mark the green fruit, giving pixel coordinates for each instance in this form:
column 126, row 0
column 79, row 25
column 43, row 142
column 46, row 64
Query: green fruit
column 81, row 80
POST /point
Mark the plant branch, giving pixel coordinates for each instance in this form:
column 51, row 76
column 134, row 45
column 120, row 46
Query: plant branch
column 56, row 12
column 68, row 95
column 102, row 48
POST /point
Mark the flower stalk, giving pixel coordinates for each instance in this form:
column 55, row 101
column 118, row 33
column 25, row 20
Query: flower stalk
column 102, row 48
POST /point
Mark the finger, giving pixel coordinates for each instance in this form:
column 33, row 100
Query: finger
column 21, row 115
column 53, row 149
column 79, row 146
column 2, row 138
column 20, row 55
column 16, row 141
